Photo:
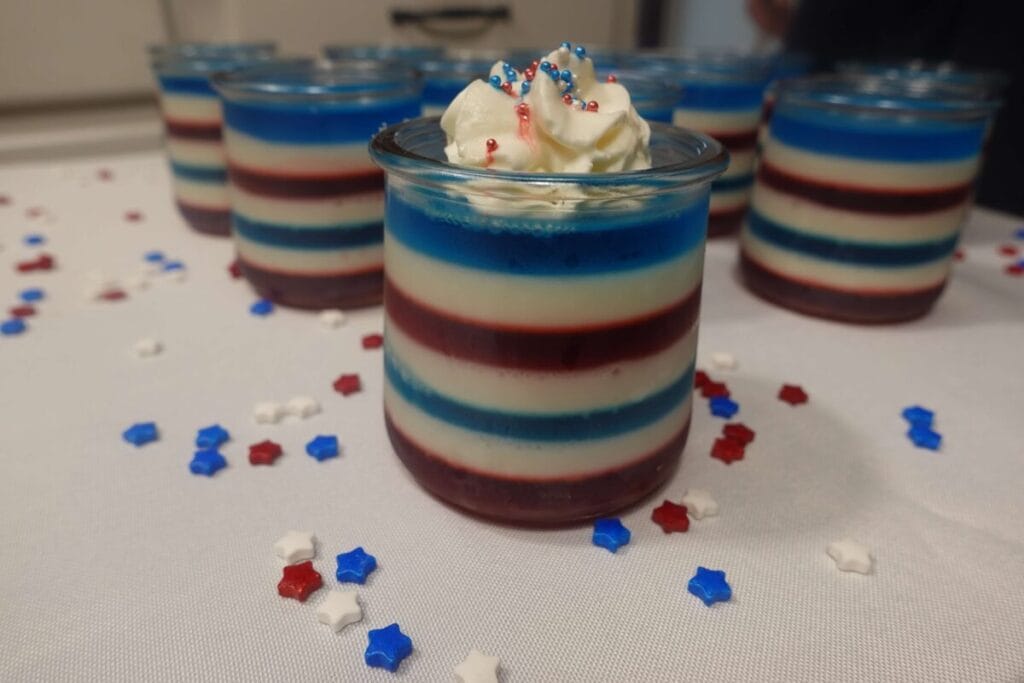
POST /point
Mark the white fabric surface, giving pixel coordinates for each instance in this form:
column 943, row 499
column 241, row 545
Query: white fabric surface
column 117, row 564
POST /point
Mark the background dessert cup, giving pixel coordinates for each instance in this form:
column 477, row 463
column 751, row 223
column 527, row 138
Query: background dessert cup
column 307, row 203
column 541, row 328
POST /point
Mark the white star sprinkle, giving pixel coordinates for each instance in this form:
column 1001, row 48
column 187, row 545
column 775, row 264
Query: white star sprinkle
column 268, row 412
column 699, row 504
column 723, row 360
column 339, row 609
column 147, row 347
column 295, row 546
column 850, row 556
column 332, row 318
column 477, row 668
column 302, row 406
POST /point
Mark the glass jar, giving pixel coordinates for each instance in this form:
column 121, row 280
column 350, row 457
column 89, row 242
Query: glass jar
column 540, row 329
column 307, row 203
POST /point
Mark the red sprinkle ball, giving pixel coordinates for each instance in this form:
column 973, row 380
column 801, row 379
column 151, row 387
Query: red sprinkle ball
column 507, row 87
column 235, row 269
column 612, row 78
column 348, row 384
column 34, row 211
column 4, row 200
column 373, row 341
column 530, row 73
column 133, row 216
column 592, row 105
column 671, row 517
column 1008, row 250
column 567, row 98
column 792, row 394
column 492, row 144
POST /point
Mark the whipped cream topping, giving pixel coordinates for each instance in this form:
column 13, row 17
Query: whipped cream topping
column 554, row 116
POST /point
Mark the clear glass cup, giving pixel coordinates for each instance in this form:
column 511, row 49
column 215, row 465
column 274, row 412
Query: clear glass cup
column 655, row 99
column 307, row 203
column 412, row 55
column 861, row 193
column 192, row 120
column 445, row 78
column 721, row 96
column 540, row 329
column 991, row 83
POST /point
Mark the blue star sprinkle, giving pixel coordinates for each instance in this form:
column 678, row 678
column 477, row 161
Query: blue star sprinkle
column 170, row 266
column 323, row 447
column 710, row 586
column 207, row 462
column 924, row 437
column 140, row 433
column 355, row 565
column 11, row 327
column 34, row 240
column 211, row 437
column 723, row 406
column 32, row 294
column 918, row 416
column 610, row 534
column 262, row 308
column 154, row 256
column 387, row 648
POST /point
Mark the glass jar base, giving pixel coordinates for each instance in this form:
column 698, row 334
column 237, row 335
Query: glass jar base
column 538, row 503
column 835, row 305
column 316, row 292
column 207, row 221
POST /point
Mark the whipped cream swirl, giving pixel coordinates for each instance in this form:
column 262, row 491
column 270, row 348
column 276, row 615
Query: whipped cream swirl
column 551, row 117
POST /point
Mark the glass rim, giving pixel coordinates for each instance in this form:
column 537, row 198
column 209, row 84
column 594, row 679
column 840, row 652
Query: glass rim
column 994, row 79
column 210, row 64
column 318, row 80
column 923, row 98
column 388, row 153
column 707, row 64
column 209, row 49
column 393, row 51
column 656, row 90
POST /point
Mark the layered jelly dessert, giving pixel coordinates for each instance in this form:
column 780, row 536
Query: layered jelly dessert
column 192, row 121
column 861, row 193
column 307, row 203
column 721, row 96
column 411, row 55
column 543, row 251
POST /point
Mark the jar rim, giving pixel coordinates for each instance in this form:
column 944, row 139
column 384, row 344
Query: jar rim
column 318, row 80
column 993, row 80
column 708, row 65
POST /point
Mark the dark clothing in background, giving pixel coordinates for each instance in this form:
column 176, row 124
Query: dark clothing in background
column 986, row 34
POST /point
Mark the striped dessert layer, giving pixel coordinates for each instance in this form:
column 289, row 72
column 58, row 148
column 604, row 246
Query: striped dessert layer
column 187, row 86
column 206, row 220
column 287, row 185
column 504, row 299
column 201, row 193
column 205, row 131
column 575, row 452
column 531, row 348
column 196, row 152
column 326, row 123
column 196, row 108
column 298, row 159
column 316, row 292
column 318, row 238
column 309, row 211
column 726, row 221
column 838, row 304
column 721, row 96
column 737, row 122
column 549, row 501
column 305, row 261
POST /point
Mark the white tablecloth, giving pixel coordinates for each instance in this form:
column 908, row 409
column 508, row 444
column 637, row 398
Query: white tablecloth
column 117, row 564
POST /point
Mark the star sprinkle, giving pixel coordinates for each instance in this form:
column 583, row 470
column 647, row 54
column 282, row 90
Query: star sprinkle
column 373, row 341
column 671, row 517
column 1014, row 269
column 147, row 347
column 207, row 462
column 737, row 431
column 212, row 436
column 34, row 239
column 610, row 534
column 23, row 311
column 348, row 384
column 299, row 581
column 850, row 556
column 133, row 216
column 339, row 609
column 262, row 308
column 235, row 270
column 727, row 450
column 792, row 394
column 723, row 360
column 387, row 647
column 268, row 412
column 31, row 295
column 710, row 586
column 477, row 668
column 355, row 565
column 140, row 433
column 302, row 406
column 41, row 262
column 295, row 546
column 154, row 256
column 723, row 406
column 323, row 447
column 332, row 318
column 712, row 389
column 9, row 328
column 918, row 415
column 700, row 378
column 264, row 453
column 925, row 437
column 1008, row 250
column 700, row 504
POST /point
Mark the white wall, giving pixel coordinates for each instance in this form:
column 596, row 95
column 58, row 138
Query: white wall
column 719, row 24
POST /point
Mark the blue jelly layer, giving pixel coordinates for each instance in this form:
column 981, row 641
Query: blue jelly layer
column 721, row 96
column 547, row 247
column 319, row 123
column 877, row 138
column 296, row 237
column 731, row 183
column 657, row 114
column 195, row 86
column 552, row 427
column 847, row 252
column 199, row 174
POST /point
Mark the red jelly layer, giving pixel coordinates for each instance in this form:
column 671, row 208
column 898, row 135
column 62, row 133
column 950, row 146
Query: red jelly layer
column 317, row 291
column 206, row 221
column 723, row 223
column 538, row 503
column 835, row 304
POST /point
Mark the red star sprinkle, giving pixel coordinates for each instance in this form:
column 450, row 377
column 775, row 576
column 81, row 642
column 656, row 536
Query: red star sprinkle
column 41, row 262
column 700, row 378
column 105, row 174
column 737, row 431
column 959, row 255
column 373, row 341
column 671, row 517
column 22, row 311
column 712, row 389
column 34, row 211
column 1008, row 250
column 1014, row 269
column 792, row 394
column 113, row 295
column 235, row 269
column 348, row 384
column 727, row 450
column 133, row 216
column 264, row 453
column 299, row 581
column 4, row 200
